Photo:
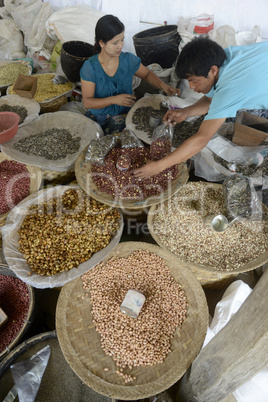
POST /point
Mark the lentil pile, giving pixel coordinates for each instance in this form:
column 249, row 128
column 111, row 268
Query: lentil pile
column 146, row 340
column 65, row 231
column 181, row 131
column 179, row 224
column 10, row 71
column 46, row 89
column 14, row 301
column 52, row 144
column 14, row 184
column 111, row 180
column 20, row 110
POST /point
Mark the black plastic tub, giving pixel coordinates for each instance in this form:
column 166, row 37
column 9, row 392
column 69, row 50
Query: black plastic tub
column 158, row 45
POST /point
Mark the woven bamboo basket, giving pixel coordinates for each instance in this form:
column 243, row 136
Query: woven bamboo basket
column 35, row 181
column 208, row 276
column 6, row 271
column 80, row 342
column 65, row 386
column 84, row 179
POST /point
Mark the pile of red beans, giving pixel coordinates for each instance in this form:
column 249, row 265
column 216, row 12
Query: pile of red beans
column 15, row 302
column 14, row 184
column 123, row 184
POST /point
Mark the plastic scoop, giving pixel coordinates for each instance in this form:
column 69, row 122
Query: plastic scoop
column 219, row 223
column 3, row 317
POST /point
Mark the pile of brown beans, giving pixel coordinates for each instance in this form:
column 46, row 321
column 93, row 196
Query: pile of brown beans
column 146, row 340
column 65, row 231
column 123, row 184
column 14, row 301
column 14, row 184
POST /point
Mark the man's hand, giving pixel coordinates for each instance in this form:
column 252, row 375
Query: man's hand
column 175, row 116
column 151, row 168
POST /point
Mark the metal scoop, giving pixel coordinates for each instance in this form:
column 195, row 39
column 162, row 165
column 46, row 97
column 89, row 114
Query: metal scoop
column 59, row 79
column 219, row 223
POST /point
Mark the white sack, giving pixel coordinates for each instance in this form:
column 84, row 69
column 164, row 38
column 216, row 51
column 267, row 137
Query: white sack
column 11, row 40
column 73, row 23
column 256, row 388
column 77, row 125
column 30, row 17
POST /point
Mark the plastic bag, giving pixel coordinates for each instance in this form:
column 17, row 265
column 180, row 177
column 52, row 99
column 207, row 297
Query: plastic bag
column 129, row 139
column 99, row 148
column 15, row 259
column 30, row 17
column 161, row 141
column 28, row 375
column 241, row 199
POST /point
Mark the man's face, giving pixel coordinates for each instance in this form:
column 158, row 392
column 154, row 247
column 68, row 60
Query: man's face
column 202, row 84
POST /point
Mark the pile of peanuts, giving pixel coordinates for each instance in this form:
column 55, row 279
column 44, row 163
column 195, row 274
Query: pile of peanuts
column 144, row 341
column 123, row 184
column 60, row 234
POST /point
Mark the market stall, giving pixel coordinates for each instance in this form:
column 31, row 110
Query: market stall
column 79, row 230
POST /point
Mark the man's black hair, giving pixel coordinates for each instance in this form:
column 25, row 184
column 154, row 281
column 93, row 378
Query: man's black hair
column 198, row 56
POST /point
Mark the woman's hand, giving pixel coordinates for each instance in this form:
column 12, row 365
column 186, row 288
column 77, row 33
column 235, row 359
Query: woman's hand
column 150, row 169
column 171, row 91
column 124, row 100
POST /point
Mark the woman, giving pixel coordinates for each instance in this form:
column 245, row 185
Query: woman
column 106, row 78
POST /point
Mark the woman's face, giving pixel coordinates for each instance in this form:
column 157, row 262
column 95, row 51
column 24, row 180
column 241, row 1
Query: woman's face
column 114, row 46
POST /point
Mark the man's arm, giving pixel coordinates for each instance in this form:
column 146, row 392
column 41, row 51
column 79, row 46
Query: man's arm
column 189, row 148
column 199, row 108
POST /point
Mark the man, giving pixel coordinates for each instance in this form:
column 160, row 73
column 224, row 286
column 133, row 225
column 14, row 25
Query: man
column 231, row 79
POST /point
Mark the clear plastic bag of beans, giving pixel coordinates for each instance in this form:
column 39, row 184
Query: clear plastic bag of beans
column 99, row 148
column 129, row 140
column 161, row 141
column 241, row 199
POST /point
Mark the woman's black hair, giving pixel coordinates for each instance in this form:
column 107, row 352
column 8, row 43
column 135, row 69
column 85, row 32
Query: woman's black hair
column 106, row 29
column 198, row 56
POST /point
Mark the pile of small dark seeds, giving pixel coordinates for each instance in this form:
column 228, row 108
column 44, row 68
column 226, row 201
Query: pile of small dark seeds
column 52, row 144
column 20, row 110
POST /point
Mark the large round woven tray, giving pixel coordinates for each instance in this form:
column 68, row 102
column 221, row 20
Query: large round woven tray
column 84, row 179
column 15, row 259
column 80, row 342
column 207, row 275
column 35, row 181
column 154, row 101
column 6, row 271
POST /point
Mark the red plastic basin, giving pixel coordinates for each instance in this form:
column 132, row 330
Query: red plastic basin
column 9, row 122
